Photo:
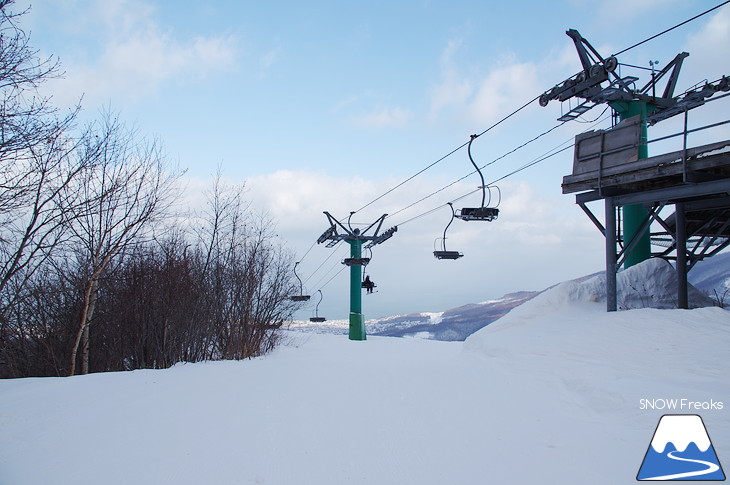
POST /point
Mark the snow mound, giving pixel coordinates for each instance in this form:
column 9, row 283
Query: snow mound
column 650, row 284
column 576, row 310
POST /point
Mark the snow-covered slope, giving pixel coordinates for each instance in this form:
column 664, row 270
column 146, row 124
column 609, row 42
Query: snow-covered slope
column 554, row 392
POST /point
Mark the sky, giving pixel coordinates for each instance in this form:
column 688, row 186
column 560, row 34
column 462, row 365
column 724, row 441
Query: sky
column 326, row 106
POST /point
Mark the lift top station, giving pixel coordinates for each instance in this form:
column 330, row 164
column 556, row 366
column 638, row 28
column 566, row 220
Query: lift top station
column 338, row 232
column 613, row 165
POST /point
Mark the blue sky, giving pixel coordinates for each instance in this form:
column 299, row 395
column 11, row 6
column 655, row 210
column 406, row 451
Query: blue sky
column 326, row 105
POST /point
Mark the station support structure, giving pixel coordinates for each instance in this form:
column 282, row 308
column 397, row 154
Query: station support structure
column 601, row 82
column 357, row 240
column 634, row 215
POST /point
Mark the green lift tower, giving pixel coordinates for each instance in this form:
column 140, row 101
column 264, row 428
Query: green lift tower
column 356, row 238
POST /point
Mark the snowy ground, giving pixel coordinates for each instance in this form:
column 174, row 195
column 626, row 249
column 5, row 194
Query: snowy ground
column 551, row 393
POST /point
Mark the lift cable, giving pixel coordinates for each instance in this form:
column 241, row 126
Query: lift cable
column 524, row 167
column 671, row 28
column 334, row 276
column 329, row 256
column 447, row 155
column 473, row 172
column 305, row 254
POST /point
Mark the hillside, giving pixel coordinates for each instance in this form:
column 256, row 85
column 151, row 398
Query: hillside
column 554, row 392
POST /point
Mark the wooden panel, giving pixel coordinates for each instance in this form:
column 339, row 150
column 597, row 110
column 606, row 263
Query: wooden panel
column 598, row 150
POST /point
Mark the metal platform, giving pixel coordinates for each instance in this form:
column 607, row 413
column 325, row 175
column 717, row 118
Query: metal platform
column 608, row 161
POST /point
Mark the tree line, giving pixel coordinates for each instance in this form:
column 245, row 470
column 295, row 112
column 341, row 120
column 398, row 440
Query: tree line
column 99, row 270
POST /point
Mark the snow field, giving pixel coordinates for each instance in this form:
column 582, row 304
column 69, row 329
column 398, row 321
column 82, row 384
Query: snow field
column 548, row 394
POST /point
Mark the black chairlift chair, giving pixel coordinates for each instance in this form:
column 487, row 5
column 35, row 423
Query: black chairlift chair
column 317, row 318
column 483, row 213
column 301, row 296
column 355, row 261
column 443, row 253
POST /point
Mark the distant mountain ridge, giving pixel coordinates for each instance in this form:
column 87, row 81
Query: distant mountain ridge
column 709, row 277
column 452, row 325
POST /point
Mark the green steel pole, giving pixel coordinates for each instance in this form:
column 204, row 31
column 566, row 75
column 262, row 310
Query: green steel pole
column 635, row 215
column 357, row 322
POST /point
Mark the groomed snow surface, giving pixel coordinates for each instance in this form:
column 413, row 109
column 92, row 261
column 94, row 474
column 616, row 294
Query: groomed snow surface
column 550, row 393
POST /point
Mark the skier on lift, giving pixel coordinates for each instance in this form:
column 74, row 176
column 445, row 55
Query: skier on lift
column 368, row 284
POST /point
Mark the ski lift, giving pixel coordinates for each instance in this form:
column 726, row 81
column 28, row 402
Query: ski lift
column 301, row 296
column 366, row 284
column 443, row 253
column 483, row 213
column 317, row 318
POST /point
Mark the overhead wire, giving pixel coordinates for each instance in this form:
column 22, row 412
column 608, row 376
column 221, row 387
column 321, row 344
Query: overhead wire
column 547, row 155
column 332, row 253
column 474, row 171
column 333, row 277
column 671, row 28
column 397, row 186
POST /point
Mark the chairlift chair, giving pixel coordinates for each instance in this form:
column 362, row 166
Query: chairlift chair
column 366, row 283
column 483, row 213
column 355, row 261
column 443, row 253
column 317, row 318
column 301, row 296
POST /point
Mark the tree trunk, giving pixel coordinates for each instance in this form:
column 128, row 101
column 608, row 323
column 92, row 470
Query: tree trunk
column 86, row 313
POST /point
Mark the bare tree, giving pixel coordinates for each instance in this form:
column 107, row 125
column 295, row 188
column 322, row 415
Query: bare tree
column 249, row 276
column 126, row 192
column 36, row 169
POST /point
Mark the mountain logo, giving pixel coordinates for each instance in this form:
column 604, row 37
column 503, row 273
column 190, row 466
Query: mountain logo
column 680, row 450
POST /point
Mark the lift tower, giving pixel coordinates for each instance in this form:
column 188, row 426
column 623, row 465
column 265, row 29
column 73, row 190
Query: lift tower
column 627, row 101
column 355, row 238
column 613, row 165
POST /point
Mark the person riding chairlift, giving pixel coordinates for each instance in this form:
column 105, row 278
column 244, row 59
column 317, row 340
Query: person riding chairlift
column 369, row 285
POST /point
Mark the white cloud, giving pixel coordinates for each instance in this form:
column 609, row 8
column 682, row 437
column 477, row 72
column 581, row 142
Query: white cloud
column 138, row 56
column 384, row 118
column 709, row 56
column 453, row 89
column 482, row 97
column 502, row 89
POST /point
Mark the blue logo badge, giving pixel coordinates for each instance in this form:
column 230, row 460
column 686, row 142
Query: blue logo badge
column 681, row 450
